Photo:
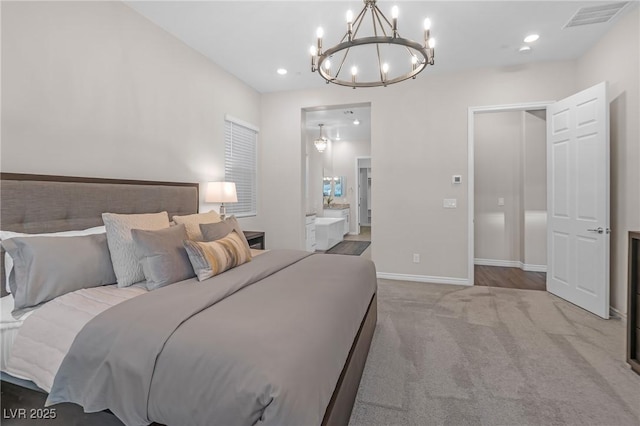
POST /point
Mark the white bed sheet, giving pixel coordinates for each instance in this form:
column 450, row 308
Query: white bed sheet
column 9, row 327
column 43, row 339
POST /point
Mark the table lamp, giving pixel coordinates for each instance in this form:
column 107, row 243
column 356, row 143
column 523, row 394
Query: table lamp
column 221, row 192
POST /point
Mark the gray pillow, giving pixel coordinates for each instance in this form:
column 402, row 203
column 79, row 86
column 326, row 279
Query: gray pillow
column 215, row 231
column 162, row 255
column 48, row 267
column 123, row 253
column 219, row 230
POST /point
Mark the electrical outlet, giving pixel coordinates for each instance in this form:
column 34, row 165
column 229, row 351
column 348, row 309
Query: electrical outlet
column 450, row 203
column 416, row 258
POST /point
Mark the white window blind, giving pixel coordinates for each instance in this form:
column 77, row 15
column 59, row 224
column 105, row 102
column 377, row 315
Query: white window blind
column 240, row 165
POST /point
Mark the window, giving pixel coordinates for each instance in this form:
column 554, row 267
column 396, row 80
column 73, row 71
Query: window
column 240, row 165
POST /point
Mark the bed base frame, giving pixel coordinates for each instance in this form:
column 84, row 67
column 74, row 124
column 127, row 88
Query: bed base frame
column 14, row 396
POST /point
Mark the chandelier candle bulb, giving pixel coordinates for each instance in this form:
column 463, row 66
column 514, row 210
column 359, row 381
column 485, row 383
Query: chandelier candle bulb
column 327, row 66
column 427, row 31
column 385, row 70
column 319, row 33
column 313, row 51
column 432, row 45
column 381, row 32
column 349, row 25
column 394, row 17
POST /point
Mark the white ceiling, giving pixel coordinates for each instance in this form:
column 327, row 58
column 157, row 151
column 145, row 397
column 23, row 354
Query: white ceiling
column 252, row 39
column 339, row 122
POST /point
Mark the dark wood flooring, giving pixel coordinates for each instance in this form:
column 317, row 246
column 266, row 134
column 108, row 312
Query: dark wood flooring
column 496, row 276
column 25, row 407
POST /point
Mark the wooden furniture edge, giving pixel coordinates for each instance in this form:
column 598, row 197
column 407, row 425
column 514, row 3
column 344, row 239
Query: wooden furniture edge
column 82, row 179
column 341, row 404
column 633, row 298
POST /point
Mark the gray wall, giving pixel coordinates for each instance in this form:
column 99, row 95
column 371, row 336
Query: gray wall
column 419, row 140
column 498, row 174
column 510, row 163
column 534, row 182
column 95, row 89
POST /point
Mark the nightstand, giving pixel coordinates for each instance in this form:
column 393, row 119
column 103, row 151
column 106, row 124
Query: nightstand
column 255, row 239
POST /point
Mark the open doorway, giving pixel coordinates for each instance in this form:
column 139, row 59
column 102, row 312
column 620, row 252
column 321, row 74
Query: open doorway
column 510, row 212
column 363, row 211
column 577, row 186
column 334, row 138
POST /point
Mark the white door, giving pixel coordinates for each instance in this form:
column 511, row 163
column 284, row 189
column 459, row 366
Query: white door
column 578, row 199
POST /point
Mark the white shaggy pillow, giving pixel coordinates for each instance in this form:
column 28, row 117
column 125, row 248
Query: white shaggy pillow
column 192, row 223
column 121, row 246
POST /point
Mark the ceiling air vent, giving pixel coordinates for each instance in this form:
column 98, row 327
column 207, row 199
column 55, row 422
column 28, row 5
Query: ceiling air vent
column 595, row 14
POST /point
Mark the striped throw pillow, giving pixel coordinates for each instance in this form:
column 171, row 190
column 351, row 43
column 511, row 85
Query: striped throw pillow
column 214, row 257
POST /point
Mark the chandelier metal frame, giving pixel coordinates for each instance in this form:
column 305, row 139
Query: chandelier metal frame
column 349, row 40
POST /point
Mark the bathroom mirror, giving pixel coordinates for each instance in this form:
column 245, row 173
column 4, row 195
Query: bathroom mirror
column 326, row 186
column 334, row 186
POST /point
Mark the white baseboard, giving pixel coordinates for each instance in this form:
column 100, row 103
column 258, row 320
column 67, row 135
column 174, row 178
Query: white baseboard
column 496, row 262
column 534, row 268
column 510, row 264
column 423, row 278
column 616, row 313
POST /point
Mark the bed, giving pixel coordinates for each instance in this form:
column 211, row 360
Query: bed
column 35, row 203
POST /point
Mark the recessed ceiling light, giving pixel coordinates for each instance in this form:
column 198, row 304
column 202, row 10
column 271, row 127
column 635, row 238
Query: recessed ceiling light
column 525, row 49
column 531, row 38
column 282, row 71
column 356, row 121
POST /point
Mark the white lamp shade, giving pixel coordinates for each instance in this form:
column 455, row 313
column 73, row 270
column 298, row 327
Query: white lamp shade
column 221, row 192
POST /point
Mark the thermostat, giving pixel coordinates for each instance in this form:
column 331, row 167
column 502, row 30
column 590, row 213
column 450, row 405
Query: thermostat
column 457, row 179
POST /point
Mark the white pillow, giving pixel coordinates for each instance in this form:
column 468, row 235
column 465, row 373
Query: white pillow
column 121, row 245
column 5, row 235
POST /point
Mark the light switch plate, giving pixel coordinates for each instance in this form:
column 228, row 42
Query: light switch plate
column 501, row 201
column 450, row 203
column 456, row 179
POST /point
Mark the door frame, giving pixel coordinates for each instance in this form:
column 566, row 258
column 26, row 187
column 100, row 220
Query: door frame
column 471, row 168
column 357, row 175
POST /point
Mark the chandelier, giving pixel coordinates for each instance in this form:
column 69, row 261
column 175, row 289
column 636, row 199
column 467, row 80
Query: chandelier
column 386, row 38
column 321, row 142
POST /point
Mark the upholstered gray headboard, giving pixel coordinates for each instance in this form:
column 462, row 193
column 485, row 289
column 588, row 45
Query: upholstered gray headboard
column 41, row 203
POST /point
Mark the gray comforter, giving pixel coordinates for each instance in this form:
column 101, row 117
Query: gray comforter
column 263, row 343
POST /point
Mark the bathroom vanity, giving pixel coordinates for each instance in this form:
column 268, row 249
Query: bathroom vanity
column 310, row 232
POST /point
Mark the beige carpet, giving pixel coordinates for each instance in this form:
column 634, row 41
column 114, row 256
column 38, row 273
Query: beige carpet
column 451, row 355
